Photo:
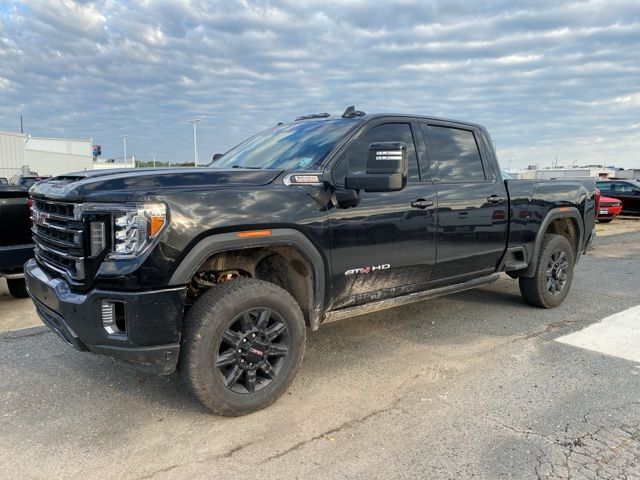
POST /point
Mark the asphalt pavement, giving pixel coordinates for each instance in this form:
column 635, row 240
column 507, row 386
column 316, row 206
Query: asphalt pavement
column 473, row 385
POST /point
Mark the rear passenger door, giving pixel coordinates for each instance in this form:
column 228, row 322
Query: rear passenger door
column 472, row 202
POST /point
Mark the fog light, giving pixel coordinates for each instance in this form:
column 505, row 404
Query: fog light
column 113, row 318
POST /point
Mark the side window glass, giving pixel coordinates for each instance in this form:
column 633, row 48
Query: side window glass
column 456, row 153
column 355, row 159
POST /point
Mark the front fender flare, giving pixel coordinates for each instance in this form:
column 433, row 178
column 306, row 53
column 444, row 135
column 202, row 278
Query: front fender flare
column 222, row 242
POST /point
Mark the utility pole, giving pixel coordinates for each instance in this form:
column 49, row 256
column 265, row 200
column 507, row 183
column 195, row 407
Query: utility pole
column 21, row 128
column 154, row 159
column 193, row 121
column 124, row 147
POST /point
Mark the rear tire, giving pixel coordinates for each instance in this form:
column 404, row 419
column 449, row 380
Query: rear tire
column 17, row 287
column 242, row 346
column 553, row 276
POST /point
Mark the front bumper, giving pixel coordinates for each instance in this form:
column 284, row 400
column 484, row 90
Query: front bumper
column 153, row 319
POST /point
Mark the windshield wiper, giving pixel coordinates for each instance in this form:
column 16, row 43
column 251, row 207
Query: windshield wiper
column 248, row 168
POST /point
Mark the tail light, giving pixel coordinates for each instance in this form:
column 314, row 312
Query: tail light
column 597, row 197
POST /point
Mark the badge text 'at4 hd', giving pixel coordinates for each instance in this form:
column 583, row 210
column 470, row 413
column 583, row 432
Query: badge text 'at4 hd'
column 370, row 269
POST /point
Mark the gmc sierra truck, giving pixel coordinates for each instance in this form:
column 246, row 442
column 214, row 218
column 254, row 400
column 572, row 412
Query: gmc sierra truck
column 221, row 271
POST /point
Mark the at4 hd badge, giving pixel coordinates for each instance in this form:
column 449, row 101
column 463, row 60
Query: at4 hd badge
column 370, row 269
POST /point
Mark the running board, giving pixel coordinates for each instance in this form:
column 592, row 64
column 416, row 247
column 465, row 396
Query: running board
column 336, row 315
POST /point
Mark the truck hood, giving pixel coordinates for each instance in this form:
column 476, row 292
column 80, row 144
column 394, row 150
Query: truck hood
column 121, row 185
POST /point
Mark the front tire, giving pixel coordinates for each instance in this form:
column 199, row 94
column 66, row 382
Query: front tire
column 17, row 287
column 242, row 346
column 553, row 276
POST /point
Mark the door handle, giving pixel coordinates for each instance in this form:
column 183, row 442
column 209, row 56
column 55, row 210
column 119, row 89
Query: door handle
column 421, row 203
column 495, row 199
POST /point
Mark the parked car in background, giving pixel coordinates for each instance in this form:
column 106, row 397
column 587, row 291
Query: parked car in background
column 608, row 209
column 3, row 181
column 27, row 180
column 16, row 243
column 627, row 191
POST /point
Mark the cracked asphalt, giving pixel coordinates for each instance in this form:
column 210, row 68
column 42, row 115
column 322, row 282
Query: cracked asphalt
column 468, row 386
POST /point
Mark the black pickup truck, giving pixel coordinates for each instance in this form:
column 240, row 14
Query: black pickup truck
column 16, row 244
column 221, row 271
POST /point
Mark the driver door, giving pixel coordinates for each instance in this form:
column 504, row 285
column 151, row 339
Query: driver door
column 384, row 246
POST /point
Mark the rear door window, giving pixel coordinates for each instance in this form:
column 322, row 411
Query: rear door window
column 455, row 153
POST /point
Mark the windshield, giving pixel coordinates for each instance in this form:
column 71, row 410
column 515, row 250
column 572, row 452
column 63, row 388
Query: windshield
column 287, row 147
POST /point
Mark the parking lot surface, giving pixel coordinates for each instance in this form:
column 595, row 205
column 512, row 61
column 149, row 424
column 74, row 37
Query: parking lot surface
column 473, row 385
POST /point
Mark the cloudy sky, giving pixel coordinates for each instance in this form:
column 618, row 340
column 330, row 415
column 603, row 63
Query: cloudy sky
column 547, row 78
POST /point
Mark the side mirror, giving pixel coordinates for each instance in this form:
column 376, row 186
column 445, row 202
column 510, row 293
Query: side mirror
column 216, row 157
column 386, row 169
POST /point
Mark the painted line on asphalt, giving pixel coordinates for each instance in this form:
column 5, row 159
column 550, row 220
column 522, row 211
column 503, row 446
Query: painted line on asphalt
column 617, row 335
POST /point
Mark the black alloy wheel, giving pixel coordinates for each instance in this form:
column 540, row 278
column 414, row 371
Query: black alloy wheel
column 242, row 344
column 557, row 272
column 252, row 350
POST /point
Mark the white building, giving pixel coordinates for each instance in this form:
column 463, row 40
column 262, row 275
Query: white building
column 560, row 173
column 44, row 156
column 629, row 174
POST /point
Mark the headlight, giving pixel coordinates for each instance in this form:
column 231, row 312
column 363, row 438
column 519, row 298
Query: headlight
column 135, row 227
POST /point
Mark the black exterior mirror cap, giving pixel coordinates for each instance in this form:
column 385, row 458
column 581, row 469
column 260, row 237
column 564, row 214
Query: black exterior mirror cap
column 388, row 146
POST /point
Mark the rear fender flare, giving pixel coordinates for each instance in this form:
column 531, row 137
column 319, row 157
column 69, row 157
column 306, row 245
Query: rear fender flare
column 554, row 214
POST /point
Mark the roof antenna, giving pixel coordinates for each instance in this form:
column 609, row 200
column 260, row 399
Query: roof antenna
column 351, row 112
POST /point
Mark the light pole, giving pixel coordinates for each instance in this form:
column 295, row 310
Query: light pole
column 124, row 147
column 193, row 121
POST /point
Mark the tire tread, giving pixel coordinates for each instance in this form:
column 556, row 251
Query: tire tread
column 17, row 287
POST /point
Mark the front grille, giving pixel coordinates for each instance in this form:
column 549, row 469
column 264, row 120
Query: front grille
column 609, row 204
column 58, row 234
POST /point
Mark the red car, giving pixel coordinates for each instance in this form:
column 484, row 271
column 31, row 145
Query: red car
column 608, row 209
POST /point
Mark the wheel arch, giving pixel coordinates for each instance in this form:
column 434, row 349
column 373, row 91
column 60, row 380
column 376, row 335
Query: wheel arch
column 552, row 223
column 282, row 237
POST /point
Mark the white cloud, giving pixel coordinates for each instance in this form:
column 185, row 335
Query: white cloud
column 632, row 100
